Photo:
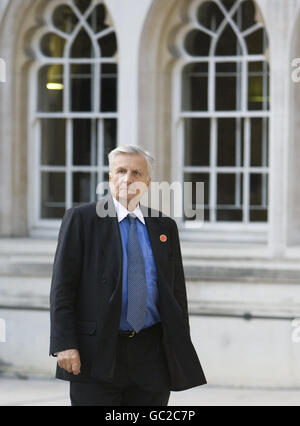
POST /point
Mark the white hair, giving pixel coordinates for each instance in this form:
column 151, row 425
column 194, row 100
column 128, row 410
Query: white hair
column 131, row 149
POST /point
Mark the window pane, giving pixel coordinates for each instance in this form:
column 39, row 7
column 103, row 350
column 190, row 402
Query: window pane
column 106, row 177
column 84, row 187
column 109, row 94
column 228, row 3
column 228, row 43
column 197, row 142
column 245, row 15
column 97, row 19
column 227, row 183
column 85, row 148
column 64, row 19
column 230, row 142
column 229, row 197
column 110, row 137
column 258, row 86
column 53, row 145
column 81, row 82
column 228, row 86
column 195, row 87
column 258, row 215
column 108, row 45
column 53, row 195
column 209, row 15
column 82, row 4
column 259, row 142
column 199, row 177
column 258, row 197
column 230, row 215
column 257, row 42
column 50, row 89
column 256, row 189
column 197, row 43
column 53, row 45
column 82, row 46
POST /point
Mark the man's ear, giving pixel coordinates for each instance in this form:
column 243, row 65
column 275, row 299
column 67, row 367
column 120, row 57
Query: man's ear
column 148, row 181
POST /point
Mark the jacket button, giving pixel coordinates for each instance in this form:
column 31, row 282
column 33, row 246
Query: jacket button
column 104, row 281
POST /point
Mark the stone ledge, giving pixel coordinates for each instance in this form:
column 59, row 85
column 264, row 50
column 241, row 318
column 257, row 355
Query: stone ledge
column 25, row 269
column 193, row 271
column 252, row 273
column 214, row 298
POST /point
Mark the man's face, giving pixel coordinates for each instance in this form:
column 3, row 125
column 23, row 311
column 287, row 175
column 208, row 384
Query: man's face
column 129, row 179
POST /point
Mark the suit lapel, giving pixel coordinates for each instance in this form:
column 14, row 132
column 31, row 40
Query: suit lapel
column 110, row 237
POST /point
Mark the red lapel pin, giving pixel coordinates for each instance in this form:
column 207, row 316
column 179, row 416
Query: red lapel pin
column 163, row 238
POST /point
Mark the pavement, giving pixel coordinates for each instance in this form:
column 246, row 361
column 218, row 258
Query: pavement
column 42, row 392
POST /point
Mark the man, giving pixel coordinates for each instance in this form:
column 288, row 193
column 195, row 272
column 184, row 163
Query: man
column 119, row 317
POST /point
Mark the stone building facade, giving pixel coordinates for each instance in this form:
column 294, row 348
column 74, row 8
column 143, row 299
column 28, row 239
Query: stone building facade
column 206, row 86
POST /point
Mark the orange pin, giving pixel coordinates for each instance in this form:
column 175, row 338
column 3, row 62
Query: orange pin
column 163, row 238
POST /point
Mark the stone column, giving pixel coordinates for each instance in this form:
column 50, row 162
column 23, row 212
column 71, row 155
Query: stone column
column 279, row 17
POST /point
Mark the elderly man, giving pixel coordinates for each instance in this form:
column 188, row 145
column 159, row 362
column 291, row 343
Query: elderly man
column 119, row 317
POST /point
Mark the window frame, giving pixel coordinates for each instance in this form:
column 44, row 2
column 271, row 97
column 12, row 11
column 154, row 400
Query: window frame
column 259, row 229
column 49, row 227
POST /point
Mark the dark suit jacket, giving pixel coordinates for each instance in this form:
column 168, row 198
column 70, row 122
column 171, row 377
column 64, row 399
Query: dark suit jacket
column 86, row 294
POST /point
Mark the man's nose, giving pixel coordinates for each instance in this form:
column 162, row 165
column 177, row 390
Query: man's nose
column 129, row 178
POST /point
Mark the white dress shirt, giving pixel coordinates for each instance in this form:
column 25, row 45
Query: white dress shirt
column 122, row 212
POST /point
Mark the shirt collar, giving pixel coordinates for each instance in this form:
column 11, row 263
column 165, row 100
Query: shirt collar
column 122, row 212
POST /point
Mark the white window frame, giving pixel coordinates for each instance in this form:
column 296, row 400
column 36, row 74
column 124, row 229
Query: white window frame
column 39, row 227
column 212, row 230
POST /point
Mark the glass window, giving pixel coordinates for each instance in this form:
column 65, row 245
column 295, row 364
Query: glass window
column 197, row 142
column 76, row 111
column 193, row 178
column 230, row 136
column 53, row 195
column 194, row 87
column 51, row 88
column 53, row 142
column 109, row 92
column 64, row 19
column 228, row 86
column 81, row 87
column 225, row 106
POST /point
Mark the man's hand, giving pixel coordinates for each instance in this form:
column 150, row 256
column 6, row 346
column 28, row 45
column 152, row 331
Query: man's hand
column 70, row 361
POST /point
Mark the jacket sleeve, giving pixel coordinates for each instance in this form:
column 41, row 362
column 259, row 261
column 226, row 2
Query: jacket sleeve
column 179, row 283
column 65, row 278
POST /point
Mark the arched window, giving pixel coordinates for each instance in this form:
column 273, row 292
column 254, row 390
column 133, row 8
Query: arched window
column 223, row 108
column 73, row 106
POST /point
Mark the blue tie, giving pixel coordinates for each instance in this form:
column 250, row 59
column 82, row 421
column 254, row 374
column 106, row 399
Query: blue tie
column 137, row 286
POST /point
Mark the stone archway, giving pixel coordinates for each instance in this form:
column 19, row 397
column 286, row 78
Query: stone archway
column 19, row 17
column 159, row 61
column 22, row 19
column 293, row 196
column 155, row 81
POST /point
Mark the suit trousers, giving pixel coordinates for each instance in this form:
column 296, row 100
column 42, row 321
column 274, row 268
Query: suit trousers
column 140, row 378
